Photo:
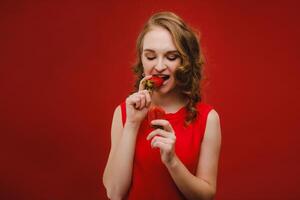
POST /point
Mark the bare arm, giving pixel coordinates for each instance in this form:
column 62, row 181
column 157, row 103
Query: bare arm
column 203, row 185
column 118, row 171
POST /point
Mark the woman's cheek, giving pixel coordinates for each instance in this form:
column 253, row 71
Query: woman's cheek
column 174, row 65
column 146, row 66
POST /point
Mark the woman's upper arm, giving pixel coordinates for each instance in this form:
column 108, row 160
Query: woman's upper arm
column 210, row 148
column 116, row 128
column 116, row 131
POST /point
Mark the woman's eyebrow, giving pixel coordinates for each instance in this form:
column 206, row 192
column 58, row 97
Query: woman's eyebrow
column 172, row 51
column 149, row 50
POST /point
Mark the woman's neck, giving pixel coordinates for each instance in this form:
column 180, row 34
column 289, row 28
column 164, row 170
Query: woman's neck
column 170, row 102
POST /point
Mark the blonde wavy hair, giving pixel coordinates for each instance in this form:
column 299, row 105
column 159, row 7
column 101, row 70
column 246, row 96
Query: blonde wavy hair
column 190, row 73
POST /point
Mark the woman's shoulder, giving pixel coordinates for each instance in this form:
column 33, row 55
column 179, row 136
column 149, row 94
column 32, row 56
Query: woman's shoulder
column 204, row 106
column 117, row 111
column 208, row 110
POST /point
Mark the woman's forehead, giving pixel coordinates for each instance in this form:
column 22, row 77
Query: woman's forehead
column 158, row 40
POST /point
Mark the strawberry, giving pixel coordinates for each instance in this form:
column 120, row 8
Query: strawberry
column 155, row 112
column 153, row 83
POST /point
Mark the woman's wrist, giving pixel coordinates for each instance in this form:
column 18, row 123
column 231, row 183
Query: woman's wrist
column 173, row 162
column 132, row 125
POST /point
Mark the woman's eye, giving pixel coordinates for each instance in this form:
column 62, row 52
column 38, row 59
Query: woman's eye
column 150, row 58
column 173, row 57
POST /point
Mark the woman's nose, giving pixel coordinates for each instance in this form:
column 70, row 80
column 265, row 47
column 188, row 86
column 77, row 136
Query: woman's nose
column 160, row 66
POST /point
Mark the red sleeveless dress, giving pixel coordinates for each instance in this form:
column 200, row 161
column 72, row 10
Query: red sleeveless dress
column 150, row 178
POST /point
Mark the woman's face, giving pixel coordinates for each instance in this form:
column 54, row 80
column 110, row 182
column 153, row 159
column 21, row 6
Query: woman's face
column 160, row 57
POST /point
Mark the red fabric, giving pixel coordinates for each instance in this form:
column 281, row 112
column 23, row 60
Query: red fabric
column 151, row 179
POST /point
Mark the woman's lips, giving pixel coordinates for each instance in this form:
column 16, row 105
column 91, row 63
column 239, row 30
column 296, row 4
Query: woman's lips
column 165, row 77
column 165, row 82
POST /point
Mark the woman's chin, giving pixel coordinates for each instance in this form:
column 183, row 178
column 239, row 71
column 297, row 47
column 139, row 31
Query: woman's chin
column 165, row 90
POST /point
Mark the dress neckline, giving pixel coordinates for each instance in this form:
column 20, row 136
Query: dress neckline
column 179, row 113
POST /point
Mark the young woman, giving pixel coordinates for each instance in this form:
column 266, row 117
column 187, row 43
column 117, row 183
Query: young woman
column 180, row 159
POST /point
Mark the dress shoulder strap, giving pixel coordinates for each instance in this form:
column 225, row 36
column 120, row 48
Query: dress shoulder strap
column 123, row 111
column 203, row 110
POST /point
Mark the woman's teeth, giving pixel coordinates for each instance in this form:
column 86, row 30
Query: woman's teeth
column 163, row 76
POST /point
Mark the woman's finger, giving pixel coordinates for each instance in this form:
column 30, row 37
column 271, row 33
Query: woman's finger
column 161, row 145
column 130, row 100
column 137, row 101
column 164, row 123
column 162, row 133
column 161, row 139
column 142, row 100
column 134, row 100
column 148, row 97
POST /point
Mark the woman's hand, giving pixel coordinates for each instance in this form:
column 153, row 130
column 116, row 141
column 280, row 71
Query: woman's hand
column 137, row 104
column 164, row 139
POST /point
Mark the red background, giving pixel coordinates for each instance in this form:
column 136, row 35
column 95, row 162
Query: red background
column 65, row 65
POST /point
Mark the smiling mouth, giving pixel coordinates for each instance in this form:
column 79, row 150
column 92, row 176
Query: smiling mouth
column 163, row 76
